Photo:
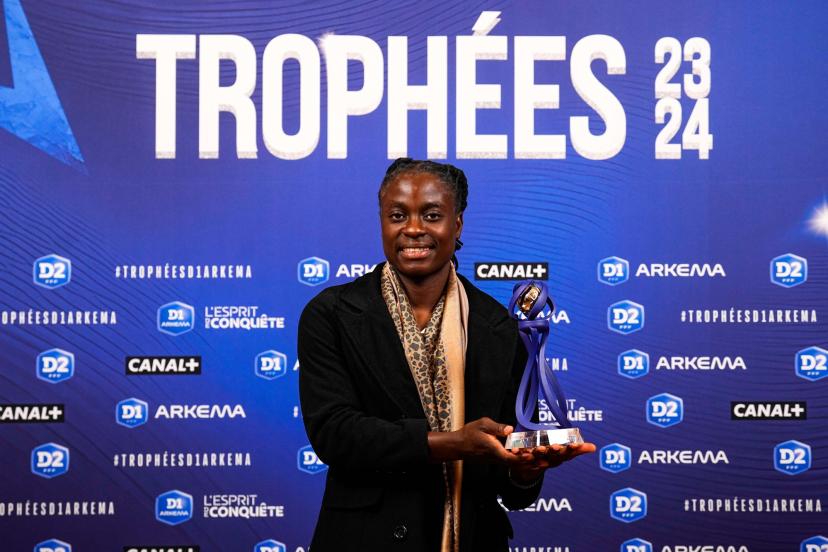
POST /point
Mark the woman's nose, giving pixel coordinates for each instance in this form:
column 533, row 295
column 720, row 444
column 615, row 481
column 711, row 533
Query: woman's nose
column 414, row 227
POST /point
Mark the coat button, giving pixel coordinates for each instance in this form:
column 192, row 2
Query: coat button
column 400, row 532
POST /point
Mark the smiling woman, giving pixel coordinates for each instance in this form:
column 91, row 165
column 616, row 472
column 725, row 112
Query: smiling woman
column 392, row 366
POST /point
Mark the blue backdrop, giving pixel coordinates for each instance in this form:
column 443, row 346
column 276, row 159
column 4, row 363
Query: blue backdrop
column 728, row 315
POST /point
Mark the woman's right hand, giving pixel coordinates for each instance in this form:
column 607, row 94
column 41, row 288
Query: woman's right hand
column 476, row 441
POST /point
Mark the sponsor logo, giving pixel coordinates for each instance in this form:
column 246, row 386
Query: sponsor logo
column 199, row 411
column 53, row 545
column 735, row 315
column 625, row 317
column 271, row 364
column 768, row 410
column 615, row 458
column 613, row 271
column 354, row 270
column 633, row 363
column 680, row 270
column 163, row 365
column 544, row 505
column 682, row 457
column 131, row 412
column 628, row 505
column 814, row 544
column 812, row 363
column 163, row 548
column 573, row 414
column 31, row 413
column 59, row 508
column 50, row 460
column 789, row 270
column 665, row 410
column 269, row 545
column 55, row 365
column 52, row 271
column 792, row 457
column 713, row 363
column 313, row 271
column 177, row 459
column 511, row 271
column 557, row 364
column 636, row 545
column 740, row 504
column 703, row 548
column 240, row 506
column 183, row 272
column 308, row 462
column 236, row 317
column 176, row 318
column 173, row 507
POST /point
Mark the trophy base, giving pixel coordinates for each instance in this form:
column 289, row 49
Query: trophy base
column 544, row 438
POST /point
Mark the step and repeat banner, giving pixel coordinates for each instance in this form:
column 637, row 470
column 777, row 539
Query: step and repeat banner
column 178, row 179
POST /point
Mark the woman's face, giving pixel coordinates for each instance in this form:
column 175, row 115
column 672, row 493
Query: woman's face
column 419, row 224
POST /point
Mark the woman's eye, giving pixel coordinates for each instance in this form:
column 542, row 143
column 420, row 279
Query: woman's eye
column 432, row 216
column 396, row 216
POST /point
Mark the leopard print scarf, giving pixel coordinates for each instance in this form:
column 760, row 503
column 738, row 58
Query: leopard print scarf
column 436, row 357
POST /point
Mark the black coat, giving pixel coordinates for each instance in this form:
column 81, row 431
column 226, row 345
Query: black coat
column 364, row 419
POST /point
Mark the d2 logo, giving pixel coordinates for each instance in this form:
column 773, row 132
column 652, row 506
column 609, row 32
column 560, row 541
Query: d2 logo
column 812, row 363
column 633, row 363
column 615, row 458
column 788, row 270
column 131, row 412
column 313, row 271
column 271, row 365
column 636, row 545
column 628, row 505
column 173, row 507
column 309, row 462
column 625, row 317
column 52, row 271
column 814, row 544
column 792, row 457
column 269, row 545
column 665, row 410
column 613, row 271
column 50, row 460
column 53, row 545
column 55, row 365
column 176, row 318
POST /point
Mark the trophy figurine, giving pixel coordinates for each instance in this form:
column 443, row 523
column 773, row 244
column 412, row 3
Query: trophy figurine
column 529, row 307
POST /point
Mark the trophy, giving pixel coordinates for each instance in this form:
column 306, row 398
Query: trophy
column 529, row 307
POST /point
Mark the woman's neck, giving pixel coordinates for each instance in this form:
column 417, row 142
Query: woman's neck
column 423, row 294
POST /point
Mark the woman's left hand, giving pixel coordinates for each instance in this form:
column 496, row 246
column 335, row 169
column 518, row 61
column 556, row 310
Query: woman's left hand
column 537, row 460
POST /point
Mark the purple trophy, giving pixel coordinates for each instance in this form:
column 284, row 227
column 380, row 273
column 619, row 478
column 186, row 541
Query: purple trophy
column 532, row 307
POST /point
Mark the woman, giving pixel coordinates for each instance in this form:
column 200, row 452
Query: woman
column 407, row 382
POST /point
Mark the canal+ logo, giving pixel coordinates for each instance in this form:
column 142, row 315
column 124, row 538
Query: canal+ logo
column 633, row 363
column 55, row 365
column 176, row 318
column 131, row 412
column 613, row 271
column 814, row 544
column 628, row 505
column 309, row 462
column 615, row 458
column 271, row 364
column 313, row 271
column 788, row 270
column 269, row 545
column 665, row 410
column 792, row 457
column 173, row 507
column 636, row 545
column 52, row 271
column 50, row 460
column 625, row 317
column 812, row 363
column 53, row 545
